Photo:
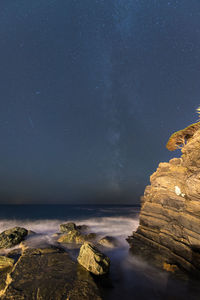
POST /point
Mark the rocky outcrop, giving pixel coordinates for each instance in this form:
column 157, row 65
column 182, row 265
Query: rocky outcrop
column 12, row 237
column 170, row 210
column 93, row 260
column 47, row 273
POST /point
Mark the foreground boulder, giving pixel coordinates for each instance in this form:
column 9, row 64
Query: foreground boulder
column 48, row 273
column 93, row 260
column 12, row 237
column 170, row 212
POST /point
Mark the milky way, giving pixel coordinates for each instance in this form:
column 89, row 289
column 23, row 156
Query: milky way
column 90, row 93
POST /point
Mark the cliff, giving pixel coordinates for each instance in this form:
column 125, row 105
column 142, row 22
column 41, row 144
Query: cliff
column 170, row 211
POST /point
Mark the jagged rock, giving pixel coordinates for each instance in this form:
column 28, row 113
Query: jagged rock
column 48, row 273
column 170, row 212
column 108, row 241
column 11, row 237
column 67, row 227
column 93, row 260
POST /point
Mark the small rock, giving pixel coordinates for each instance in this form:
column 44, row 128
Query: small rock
column 108, row 241
column 93, row 260
column 11, row 237
column 67, row 227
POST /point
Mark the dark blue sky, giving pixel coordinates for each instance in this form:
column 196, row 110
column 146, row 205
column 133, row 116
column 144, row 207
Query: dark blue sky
column 90, row 92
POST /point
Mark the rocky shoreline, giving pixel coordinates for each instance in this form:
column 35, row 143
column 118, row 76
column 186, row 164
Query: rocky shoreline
column 169, row 229
column 33, row 271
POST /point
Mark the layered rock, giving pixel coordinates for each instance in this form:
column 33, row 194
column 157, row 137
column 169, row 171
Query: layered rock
column 170, row 210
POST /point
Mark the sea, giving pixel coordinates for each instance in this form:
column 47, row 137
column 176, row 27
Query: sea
column 130, row 277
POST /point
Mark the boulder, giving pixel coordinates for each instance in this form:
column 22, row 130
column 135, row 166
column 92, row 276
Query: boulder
column 12, row 237
column 67, row 227
column 93, row 260
column 48, row 273
column 108, row 241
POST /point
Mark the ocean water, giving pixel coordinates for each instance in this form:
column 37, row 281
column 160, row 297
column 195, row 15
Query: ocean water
column 130, row 277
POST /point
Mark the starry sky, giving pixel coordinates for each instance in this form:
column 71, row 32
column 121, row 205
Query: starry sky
column 90, row 92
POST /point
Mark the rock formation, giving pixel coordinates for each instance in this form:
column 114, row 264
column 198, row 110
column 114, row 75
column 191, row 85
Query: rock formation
column 170, row 210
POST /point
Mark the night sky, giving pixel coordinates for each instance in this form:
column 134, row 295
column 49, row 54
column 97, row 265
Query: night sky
column 90, row 91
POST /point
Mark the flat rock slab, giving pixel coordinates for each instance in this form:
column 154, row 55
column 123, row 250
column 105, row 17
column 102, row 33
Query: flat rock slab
column 48, row 274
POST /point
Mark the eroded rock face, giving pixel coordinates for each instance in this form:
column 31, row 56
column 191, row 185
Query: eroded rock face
column 48, row 273
column 93, row 260
column 170, row 212
column 12, row 237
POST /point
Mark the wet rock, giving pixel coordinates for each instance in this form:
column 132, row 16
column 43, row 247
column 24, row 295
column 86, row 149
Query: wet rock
column 109, row 242
column 67, row 227
column 48, row 273
column 93, row 260
column 12, row 237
